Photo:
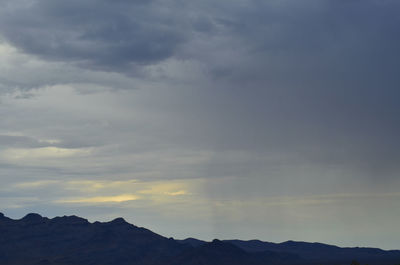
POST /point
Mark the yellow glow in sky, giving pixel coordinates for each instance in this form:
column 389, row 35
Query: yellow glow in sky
column 102, row 199
column 39, row 153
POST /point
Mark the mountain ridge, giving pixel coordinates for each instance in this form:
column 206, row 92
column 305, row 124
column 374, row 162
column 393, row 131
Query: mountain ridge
column 72, row 240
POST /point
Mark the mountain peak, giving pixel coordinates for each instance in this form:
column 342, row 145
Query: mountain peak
column 32, row 217
column 118, row 221
column 192, row 242
column 70, row 220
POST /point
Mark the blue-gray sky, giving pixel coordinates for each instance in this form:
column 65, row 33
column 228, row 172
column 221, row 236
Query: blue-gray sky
column 245, row 119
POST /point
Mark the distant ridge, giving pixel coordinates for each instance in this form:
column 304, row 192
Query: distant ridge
column 72, row 240
column 313, row 252
column 319, row 252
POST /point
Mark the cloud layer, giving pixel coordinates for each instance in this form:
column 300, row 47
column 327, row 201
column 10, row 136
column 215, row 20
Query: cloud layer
column 105, row 34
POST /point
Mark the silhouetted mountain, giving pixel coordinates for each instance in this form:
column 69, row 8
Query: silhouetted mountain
column 193, row 242
column 317, row 252
column 71, row 240
column 313, row 252
column 220, row 253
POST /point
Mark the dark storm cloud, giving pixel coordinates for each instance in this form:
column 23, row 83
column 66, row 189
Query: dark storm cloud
column 316, row 43
column 316, row 80
column 102, row 34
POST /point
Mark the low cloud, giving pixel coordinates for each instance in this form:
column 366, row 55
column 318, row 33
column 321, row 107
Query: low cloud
column 35, row 184
column 101, row 199
column 21, row 154
column 176, row 193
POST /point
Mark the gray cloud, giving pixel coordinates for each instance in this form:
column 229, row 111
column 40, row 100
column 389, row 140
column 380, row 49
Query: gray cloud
column 109, row 35
column 11, row 140
column 253, row 41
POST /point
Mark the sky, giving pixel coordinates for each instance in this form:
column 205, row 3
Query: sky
column 276, row 120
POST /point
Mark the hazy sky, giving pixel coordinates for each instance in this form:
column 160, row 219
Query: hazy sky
column 268, row 119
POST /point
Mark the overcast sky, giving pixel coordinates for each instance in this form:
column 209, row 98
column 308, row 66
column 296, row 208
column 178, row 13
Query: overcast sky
column 274, row 119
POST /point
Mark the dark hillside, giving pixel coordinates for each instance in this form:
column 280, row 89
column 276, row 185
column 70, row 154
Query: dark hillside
column 71, row 240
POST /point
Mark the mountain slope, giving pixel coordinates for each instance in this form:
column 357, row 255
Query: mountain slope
column 71, row 240
column 220, row 253
column 317, row 252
